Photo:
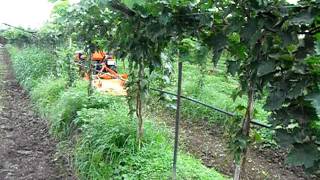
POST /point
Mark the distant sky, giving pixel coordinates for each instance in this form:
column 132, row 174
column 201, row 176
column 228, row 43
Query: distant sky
column 293, row 1
column 25, row 13
column 30, row 13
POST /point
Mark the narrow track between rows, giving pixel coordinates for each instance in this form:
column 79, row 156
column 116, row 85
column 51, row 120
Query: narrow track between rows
column 26, row 149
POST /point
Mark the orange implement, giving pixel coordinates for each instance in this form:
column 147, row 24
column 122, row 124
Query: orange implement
column 98, row 56
column 106, row 78
column 114, row 87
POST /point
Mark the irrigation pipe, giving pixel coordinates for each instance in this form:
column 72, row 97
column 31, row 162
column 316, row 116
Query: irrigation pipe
column 255, row 122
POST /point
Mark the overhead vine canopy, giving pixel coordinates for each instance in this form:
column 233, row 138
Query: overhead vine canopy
column 273, row 44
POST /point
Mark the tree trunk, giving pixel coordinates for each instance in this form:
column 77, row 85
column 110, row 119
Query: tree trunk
column 240, row 168
column 90, row 74
column 69, row 59
column 70, row 77
column 54, row 58
column 124, row 65
column 139, row 105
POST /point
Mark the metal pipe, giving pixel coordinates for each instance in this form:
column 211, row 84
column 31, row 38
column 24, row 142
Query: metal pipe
column 255, row 122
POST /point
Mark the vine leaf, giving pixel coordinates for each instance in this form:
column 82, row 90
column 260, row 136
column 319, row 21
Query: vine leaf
column 288, row 38
column 249, row 30
column 305, row 17
column 275, row 100
column 130, row 3
column 297, row 89
column 284, row 138
column 315, row 102
column 281, row 57
column 265, row 68
column 303, row 154
column 218, row 42
column 233, row 67
column 317, row 47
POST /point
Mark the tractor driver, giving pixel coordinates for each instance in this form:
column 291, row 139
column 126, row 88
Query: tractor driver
column 80, row 59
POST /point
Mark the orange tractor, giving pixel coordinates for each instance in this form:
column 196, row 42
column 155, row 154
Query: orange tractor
column 105, row 76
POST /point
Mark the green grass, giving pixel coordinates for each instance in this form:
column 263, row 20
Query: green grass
column 115, row 154
column 46, row 94
column 216, row 90
column 31, row 64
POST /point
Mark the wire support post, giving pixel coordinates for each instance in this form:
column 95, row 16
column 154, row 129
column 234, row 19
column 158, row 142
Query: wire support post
column 177, row 123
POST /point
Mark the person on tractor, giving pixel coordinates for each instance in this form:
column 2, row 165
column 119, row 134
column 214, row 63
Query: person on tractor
column 103, row 63
column 102, row 58
column 104, row 74
column 80, row 58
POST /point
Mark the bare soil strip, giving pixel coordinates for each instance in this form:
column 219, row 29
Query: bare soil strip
column 26, row 149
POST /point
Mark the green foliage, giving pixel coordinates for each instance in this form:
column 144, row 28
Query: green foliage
column 237, row 141
column 279, row 59
column 315, row 102
column 17, row 36
column 46, row 93
column 60, row 8
column 105, row 136
column 65, row 109
column 304, row 155
column 64, row 58
column 217, row 90
column 108, row 149
column 69, row 104
column 31, row 64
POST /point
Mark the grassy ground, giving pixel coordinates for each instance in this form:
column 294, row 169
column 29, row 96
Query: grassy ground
column 215, row 88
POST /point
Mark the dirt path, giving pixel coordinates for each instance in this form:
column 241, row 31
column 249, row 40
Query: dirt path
column 26, row 149
column 206, row 142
